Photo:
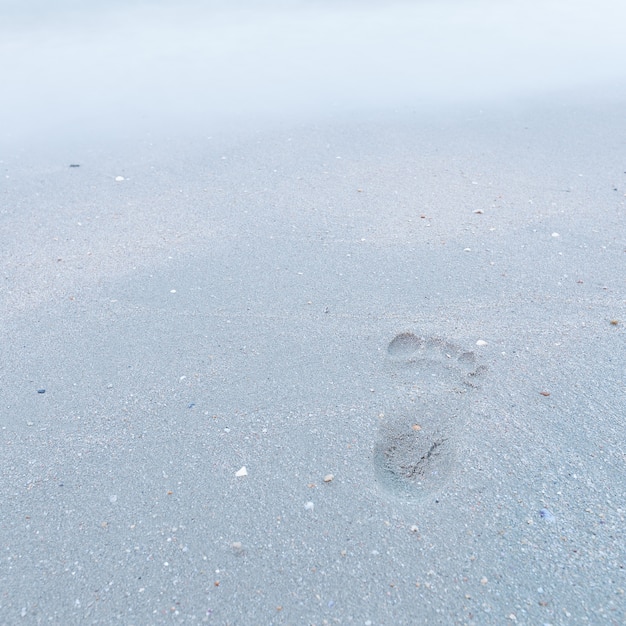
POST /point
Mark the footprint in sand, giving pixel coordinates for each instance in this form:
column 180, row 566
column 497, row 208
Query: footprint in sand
column 416, row 450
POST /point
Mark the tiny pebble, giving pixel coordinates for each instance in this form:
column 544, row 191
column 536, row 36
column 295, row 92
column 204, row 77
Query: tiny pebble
column 544, row 393
column 309, row 506
column 467, row 249
column 481, row 342
column 547, row 515
column 478, row 211
column 41, row 391
column 556, row 235
column 119, row 179
column 242, row 472
column 328, row 478
column 414, row 528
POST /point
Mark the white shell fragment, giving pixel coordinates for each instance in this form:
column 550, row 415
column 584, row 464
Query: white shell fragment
column 481, row 342
column 309, row 506
column 328, row 478
column 242, row 472
column 119, row 179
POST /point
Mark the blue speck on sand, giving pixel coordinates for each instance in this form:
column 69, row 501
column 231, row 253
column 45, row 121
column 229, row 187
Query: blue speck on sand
column 547, row 515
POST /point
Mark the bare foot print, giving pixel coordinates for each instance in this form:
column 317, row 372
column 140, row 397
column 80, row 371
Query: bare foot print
column 416, row 450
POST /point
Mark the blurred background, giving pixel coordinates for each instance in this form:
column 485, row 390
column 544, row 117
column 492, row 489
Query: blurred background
column 92, row 67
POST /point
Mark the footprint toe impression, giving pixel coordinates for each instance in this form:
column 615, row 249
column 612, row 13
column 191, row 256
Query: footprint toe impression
column 405, row 345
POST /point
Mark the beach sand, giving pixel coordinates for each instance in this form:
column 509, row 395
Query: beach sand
column 406, row 325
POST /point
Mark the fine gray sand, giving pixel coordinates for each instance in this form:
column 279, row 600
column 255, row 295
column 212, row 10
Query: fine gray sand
column 311, row 305
column 406, row 325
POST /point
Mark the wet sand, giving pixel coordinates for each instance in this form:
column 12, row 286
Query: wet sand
column 236, row 306
column 406, row 324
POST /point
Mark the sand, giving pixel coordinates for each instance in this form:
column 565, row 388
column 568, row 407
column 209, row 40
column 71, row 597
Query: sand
column 425, row 303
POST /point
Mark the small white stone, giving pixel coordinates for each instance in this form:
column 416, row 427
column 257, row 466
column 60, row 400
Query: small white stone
column 481, row 342
column 478, row 211
column 119, row 179
column 309, row 506
column 467, row 249
column 242, row 472
column 328, row 478
column 556, row 235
